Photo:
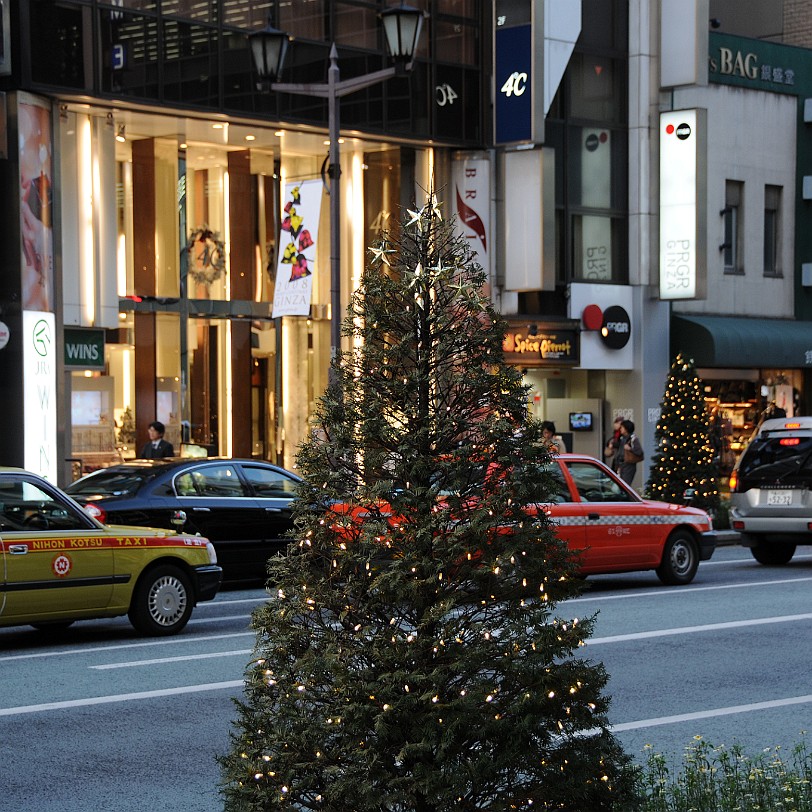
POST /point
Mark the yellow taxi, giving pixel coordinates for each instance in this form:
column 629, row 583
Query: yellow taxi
column 58, row 564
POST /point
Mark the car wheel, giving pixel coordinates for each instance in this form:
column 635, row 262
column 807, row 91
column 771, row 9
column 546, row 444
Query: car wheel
column 162, row 602
column 680, row 559
column 773, row 554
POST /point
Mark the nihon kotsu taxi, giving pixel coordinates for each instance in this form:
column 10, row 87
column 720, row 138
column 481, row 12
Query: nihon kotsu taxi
column 60, row 565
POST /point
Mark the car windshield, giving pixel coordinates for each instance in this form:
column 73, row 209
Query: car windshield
column 778, row 459
column 116, row 481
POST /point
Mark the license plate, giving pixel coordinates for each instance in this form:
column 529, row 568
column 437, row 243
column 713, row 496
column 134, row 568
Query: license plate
column 779, row 497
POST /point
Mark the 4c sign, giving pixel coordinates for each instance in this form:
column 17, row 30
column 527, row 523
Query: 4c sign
column 515, row 85
column 513, row 72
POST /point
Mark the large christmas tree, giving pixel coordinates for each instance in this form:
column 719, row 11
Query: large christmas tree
column 683, row 461
column 410, row 659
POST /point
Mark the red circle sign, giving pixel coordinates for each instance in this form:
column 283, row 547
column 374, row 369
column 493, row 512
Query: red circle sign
column 592, row 317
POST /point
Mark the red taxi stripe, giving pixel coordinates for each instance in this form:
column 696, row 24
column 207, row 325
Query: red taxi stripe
column 107, row 542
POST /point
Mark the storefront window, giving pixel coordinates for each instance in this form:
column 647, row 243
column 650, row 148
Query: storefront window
column 303, row 18
column 356, row 25
column 596, row 249
column 199, row 228
column 206, row 237
column 203, row 10
column 738, row 405
column 456, row 42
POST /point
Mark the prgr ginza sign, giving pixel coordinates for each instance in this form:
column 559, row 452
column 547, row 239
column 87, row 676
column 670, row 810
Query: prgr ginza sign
column 683, row 180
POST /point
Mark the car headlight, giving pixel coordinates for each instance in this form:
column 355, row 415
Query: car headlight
column 212, row 552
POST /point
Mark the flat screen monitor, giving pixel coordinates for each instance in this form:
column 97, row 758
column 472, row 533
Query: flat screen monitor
column 580, row 421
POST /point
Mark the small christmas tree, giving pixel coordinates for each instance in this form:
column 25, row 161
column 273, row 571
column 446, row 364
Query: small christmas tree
column 410, row 659
column 683, row 461
column 126, row 429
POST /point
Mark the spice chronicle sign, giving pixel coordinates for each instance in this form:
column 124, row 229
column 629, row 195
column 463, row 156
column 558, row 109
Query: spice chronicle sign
column 541, row 346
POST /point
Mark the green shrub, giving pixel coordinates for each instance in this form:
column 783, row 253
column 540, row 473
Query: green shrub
column 718, row 779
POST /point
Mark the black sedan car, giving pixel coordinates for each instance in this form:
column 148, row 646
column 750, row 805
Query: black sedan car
column 242, row 506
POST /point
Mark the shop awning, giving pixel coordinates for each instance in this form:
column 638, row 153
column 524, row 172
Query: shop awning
column 729, row 341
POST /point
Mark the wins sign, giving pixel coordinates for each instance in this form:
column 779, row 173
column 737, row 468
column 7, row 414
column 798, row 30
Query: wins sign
column 84, row 348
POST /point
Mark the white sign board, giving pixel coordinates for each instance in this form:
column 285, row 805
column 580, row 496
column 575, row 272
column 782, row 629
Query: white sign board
column 39, row 393
column 679, row 139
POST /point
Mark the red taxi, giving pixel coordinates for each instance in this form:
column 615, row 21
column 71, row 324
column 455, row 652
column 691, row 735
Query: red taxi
column 616, row 530
column 611, row 527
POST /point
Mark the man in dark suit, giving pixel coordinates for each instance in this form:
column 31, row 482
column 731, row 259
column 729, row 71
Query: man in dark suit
column 157, row 447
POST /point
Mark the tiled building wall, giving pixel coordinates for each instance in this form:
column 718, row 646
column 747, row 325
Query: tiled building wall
column 798, row 23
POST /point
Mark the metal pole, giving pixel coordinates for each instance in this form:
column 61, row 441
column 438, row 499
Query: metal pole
column 335, row 206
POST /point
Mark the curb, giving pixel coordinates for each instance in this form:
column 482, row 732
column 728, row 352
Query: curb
column 727, row 538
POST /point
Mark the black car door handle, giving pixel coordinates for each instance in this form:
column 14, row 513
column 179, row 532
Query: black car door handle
column 593, row 517
column 201, row 509
column 18, row 549
column 273, row 510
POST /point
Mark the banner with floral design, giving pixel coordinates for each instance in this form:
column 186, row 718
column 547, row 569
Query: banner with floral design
column 297, row 248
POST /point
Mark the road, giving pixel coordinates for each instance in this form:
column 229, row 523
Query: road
column 101, row 719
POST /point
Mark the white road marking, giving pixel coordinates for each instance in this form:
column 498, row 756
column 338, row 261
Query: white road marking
column 133, row 663
column 711, row 714
column 665, row 592
column 218, row 602
column 104, row 700
column 96, row 649
column 710, row 627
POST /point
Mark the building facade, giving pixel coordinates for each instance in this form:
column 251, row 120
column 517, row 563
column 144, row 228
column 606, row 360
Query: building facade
column 165, row 214
column 158, row 196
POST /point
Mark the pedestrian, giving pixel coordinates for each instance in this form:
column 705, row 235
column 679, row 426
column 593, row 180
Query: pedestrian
column 156, row 447
column 553, row 442
column 629, row 452
column 610, row 451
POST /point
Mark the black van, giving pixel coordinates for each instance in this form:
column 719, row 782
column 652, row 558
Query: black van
column 771, row 500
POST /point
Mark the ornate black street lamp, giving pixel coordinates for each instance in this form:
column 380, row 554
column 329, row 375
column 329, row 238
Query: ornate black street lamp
column 402, row 26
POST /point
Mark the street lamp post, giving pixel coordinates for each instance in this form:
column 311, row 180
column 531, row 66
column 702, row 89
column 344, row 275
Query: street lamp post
column 402, row 26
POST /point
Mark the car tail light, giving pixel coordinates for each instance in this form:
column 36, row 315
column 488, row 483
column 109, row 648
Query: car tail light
column 100, row 514
column 789, row 441
column 733, row 482
column 792, row 425
column 737, row 525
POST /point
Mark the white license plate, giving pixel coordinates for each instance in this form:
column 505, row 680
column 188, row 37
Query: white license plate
column 779, row 497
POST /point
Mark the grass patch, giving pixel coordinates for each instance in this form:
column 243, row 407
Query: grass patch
column 721, row 779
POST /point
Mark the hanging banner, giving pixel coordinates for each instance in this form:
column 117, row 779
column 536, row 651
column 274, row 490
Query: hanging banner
column 297, row 249
column 36, row 203
column 472, row 195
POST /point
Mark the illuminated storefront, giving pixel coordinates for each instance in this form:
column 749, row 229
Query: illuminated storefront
column 198, row 331
column 171, row 176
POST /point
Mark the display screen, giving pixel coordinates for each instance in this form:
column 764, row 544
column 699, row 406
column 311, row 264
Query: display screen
column 580, row 421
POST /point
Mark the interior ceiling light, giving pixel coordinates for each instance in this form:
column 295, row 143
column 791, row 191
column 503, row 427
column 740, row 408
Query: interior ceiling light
column 250, row 138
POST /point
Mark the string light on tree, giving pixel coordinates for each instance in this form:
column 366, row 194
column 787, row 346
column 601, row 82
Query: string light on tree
column 422, row 667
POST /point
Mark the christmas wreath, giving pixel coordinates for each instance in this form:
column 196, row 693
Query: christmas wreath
column 207, row 255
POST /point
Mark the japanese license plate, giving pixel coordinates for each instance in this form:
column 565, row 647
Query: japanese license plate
column 779, row 497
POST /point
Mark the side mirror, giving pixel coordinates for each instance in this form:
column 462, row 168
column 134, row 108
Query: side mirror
column 688, row 495
column 178, row 518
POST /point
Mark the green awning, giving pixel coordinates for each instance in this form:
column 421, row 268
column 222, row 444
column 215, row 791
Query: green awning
column 733, row 341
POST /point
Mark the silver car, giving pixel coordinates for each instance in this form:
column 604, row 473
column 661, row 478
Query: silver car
column 771, row 500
